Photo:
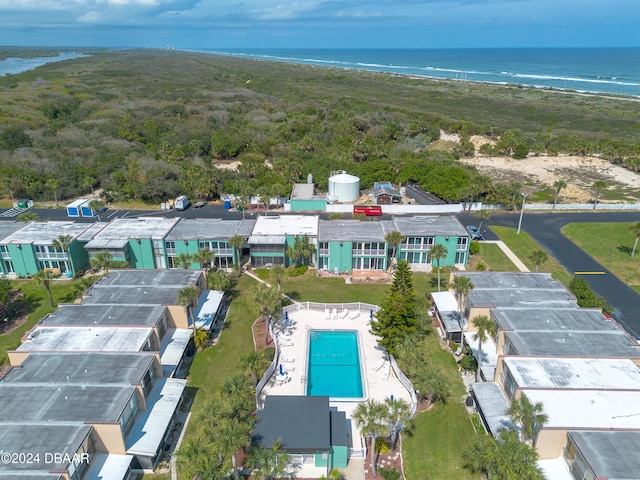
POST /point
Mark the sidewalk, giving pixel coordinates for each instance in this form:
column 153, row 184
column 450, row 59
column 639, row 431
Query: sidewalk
column 512, row 256
column 255, row 277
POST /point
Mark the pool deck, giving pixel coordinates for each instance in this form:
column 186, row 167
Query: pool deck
column 294, row 347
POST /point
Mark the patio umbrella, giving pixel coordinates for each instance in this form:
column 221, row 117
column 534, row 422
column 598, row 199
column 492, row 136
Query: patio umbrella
column 281, row 370
column 286, row 315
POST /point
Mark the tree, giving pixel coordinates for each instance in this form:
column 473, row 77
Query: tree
column 398, row 415
column 371, row 418
column 231, row 435
column 278, row 272
column 269, row 302
column 63, row 242
column 237, row 242
column 268, row 463
column 438, row 252
column 300, row 250
column 253, row 363
column 558, row 186
column 184, row 260
column 205, row 258
column 482, row 215
column 5, row 289
column 538, row 257
column 103, row 259
column 95, row 206
column 504, row 458
column 43, row 277
column 398, row 317
column 53, row 184
column 395, row 238
column 484, row 329
column 461, row 286
column 186, row 295
column 218, row 280
column 530, row 417
column 430, row 383
column 598, row 187
column 201, row 338
column 635, row 229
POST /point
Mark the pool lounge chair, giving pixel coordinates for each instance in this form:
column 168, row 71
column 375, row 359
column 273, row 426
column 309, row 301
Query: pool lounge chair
column 344, row 314
column 327, row 314
column 288, row 368
column 379, row 365
column 287, row 360
column 385, row 372
column 354, row 315
column 334, row 314
column 285, row 344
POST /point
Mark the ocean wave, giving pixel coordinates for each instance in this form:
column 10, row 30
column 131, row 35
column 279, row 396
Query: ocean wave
column 574, row 79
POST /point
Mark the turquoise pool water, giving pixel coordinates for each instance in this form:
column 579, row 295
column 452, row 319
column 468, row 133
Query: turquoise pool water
column 334, row 364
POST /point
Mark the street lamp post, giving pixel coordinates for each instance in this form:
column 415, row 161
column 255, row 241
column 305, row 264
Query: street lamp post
column 524, row 199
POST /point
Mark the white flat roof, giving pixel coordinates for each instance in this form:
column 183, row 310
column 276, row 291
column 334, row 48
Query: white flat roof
column 489, row 355
column 589, row 409
column 555, row 469
column 147, row 433
column 86, row 339
column 445, row 301
column 172, row 349
column 44, row 233
column 581, row 373
column 144, row 227
column 287, row 225
column 209, row 302
column 109, row 467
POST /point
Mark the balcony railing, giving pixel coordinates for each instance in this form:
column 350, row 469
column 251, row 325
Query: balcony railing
column 415, row 247
column 52, row 256
column 370, row 252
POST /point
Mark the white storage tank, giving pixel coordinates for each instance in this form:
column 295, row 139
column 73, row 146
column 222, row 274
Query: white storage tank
column 343, row 187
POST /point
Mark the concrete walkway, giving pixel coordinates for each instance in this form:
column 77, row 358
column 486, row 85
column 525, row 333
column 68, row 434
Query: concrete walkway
column 512, row 256
column 255, row 277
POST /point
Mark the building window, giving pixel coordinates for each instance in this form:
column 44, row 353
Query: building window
column 8, row 266
column 170, row 248
column 417, row 243
column 461, row 257
column 462, row 243
column 576, row 462
column 323, row 248
column 369, row 248
column 508, row 383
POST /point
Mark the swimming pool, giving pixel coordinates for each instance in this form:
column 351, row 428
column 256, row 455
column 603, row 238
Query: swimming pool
column 333, row 366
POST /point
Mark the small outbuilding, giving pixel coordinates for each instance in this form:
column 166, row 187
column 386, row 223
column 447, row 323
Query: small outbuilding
column 385, row 194
column 309, row 430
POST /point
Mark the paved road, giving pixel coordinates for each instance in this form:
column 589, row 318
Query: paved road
column 545, row 228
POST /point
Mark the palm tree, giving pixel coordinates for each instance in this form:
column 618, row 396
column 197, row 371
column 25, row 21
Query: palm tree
column 253, row 363
column 231, row 435
column 538, row 257
column 218, row 280
column 43, row 277
column 53, row 184
column 398, row 415
column 184, row 260
column 485, row 328
column 186, row 295
column 268, row 463
column 205, row 258
column 103, row 259
column 461, row 286
column 482, row 215
column 201, row 338
column 63, row 242
column 598, row 187
column 96, row 205
column 438, row 252
column 395, row 238
column 237, row 243
column 635, row 229
column 278, row 272
column 504, row 458
column 269, row 302
column 371, row 418
column 558, row 186
column 530, row 416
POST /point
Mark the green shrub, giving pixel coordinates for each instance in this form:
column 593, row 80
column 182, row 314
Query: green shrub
column 389, row 474
column 269, row 353
column 481, row 267
column 382, row 445
column 521, row 151
column 297, row 271
column 474, row 248
column 468, row 363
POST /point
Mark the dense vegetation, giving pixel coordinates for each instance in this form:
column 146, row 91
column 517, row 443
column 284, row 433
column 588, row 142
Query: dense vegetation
column 148, row 125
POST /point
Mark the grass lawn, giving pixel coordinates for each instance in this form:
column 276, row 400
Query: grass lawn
column 611, row 245
column 495, row 258
column 36, row 296
column 445, row 429
column 523, row 246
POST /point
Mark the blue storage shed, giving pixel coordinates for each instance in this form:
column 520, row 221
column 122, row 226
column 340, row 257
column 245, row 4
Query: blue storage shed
column 73, row 209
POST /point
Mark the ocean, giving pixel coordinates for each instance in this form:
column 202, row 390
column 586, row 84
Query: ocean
column 14, row 65
column 598, row 70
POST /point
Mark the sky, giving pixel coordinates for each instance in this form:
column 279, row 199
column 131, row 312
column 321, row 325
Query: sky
column 228, row 24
